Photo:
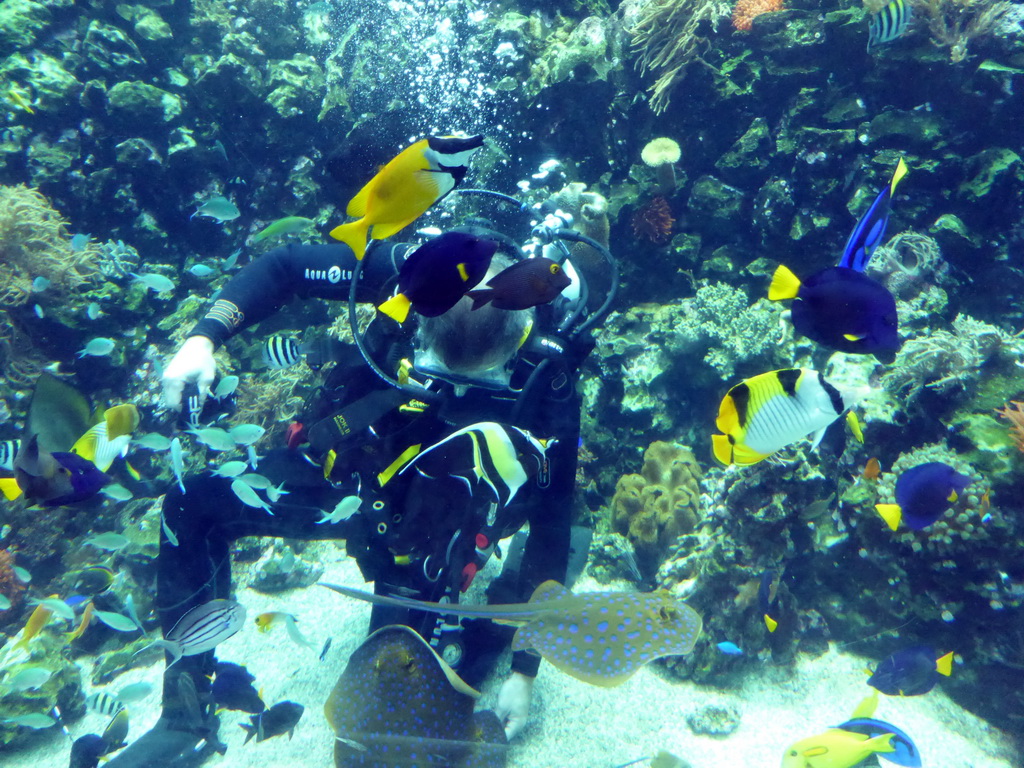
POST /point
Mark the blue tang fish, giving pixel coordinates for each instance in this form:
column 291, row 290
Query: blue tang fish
column 601, row 638
column 911, row 672
column 870, row 230
column 923, row 494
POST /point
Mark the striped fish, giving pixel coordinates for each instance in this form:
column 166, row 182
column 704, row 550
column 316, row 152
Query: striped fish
column 202, row 629
column 281, row 352
column 104, row 703
column 8, row 450
column 492, row 452
column 768, row 412
column 889, row 23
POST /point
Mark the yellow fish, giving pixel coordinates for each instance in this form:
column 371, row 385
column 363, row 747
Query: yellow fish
column 40, row 616
column 105, row 441
column 836, row 749
column 405, row 188
column 83, row 624
column 18, row 100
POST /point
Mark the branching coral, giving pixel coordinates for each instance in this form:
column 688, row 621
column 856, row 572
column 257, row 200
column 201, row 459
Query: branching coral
column 667, row 41
column 948, row 360
column 954, row 23
column 1013, row 412
column 34, row 243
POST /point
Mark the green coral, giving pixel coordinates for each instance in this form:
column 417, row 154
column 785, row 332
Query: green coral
column 141, row 104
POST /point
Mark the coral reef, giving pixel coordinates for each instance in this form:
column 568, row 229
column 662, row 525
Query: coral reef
column 745, row 11
column 947, row 361
column 10, row 585
column 954, row 24
column 653, row 222
column 652, row 509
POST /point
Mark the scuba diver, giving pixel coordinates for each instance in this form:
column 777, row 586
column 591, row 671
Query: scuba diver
column 423, row 533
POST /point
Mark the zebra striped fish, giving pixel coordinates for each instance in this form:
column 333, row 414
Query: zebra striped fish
column 889, row 23
column 8, row 450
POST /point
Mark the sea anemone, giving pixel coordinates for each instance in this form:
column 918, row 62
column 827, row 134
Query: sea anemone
column 662, row 155
column 744, row 12
column 654, row 221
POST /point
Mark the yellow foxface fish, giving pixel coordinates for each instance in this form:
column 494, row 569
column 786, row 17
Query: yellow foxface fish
column 768, row 412
column 405, row 188
column 39, row 618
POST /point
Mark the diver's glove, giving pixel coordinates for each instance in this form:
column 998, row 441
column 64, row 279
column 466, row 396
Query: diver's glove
column 513, row 707
column 192, row 363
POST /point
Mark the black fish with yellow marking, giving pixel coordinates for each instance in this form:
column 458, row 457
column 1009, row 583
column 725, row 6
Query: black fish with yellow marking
column 233, row 688
column 279, row 719
column 842, row 309
column 525, row 284
column 911, row 672
column 439, row 273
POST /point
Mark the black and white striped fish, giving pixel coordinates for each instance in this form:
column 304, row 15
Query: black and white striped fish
column 889, row 23
column 104, row 703
column 8, row 450
column 202, row 629
column 281, row 352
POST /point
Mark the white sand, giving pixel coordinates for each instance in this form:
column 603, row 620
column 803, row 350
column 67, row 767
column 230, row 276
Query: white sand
column 574, row 725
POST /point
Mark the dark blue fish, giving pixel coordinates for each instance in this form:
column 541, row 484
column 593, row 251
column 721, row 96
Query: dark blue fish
column 910, row 672
column 438, row 273
column 52, row 479
column 233, row 689
column 870, row 230
column 889, row 23
column 905, row 751
column 842, row 309
column 280, row 718
column 923, row 494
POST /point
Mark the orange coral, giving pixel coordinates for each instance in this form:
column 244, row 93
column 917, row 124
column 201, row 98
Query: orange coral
column 1014, row 413
column 10, row 586
column 654, row 221
column 744, row 12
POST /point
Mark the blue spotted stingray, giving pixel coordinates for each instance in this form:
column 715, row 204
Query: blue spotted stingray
column 601, row 638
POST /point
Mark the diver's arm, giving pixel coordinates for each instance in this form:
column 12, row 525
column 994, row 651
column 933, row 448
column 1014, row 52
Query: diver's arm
column 264, row 286
column 546, row 555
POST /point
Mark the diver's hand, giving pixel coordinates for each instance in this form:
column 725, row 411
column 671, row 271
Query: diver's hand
column 193, row 362
column 513, row 707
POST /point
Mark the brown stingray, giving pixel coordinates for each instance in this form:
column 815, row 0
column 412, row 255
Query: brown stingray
column 398, row 703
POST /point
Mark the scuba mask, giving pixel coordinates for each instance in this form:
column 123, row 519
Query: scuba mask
column 497, row 377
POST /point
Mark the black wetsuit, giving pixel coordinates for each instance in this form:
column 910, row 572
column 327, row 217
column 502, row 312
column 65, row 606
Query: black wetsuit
column 415, row 533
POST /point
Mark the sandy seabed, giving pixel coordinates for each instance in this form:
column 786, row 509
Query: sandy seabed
column 573, row 725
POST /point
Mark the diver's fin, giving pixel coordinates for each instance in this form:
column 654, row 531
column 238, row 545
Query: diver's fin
column 891, row 513
column 785, row 284
column 353, row 235
column 397, row 307
column 944, row 664
column 10, row 488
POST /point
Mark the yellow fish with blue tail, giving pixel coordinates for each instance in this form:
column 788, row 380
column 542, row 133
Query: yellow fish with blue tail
column 601, row 638
column 415, row 179
column 851, row 743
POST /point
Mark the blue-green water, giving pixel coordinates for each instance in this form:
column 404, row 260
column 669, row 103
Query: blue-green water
column 120, row 121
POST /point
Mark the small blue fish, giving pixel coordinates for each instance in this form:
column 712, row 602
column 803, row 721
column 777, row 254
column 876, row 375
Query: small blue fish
column 729, row 649
column 93, row 311
column 97, row 347
column 201, row 270
column 40, row 284
column 39, row 311
column 80, row 242
column 232, row 260
column 219, row 208
column 154, row 282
